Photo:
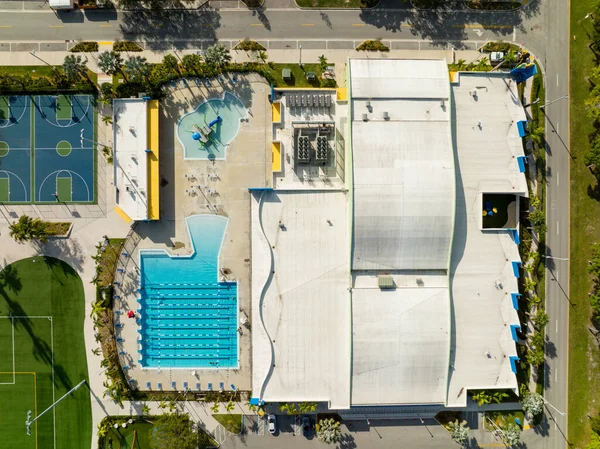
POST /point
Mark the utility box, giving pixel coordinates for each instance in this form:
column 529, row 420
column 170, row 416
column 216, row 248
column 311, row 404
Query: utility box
column 286, row 74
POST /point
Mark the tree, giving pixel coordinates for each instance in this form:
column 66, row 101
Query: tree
column 307, row 407
column 27, row 228
column 540, row 319
column 328, row 431
column 74, row 67
column 107, row 93
column 191, row 62
column 535, row 357
column 537, row 135
column 594, row 442
column 171, row 63
column 110, row 62
column 459, row 432
column 217, row 55
column 498, row 396
column 97, row 308
column 229, row 406
column 173, row 430
column 591, row 158
column 594, row 266
column 482, row 397
column 262, row 56
column 96, row 351
column 289, row 408
column 482, row 65
column 136, row 69
column 511, row 435
column 533, row 405
column 215, row 407
column 461, row 64
column 107, row 120
column 537, row 218
column 323, row 63
column 145, row 410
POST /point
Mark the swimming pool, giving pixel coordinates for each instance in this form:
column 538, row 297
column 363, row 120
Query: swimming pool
column 188, row 318
column 194, row 127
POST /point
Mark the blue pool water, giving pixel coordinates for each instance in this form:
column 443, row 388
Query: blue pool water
column 230, row 108
column 188, row 318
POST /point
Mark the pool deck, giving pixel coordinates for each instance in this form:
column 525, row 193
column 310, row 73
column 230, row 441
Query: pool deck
column 219, row 187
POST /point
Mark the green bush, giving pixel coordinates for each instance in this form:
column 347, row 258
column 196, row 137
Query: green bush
column 371, row 45
column 248, row 45
column 87, row 46
column 126, row 46
column 496, row 46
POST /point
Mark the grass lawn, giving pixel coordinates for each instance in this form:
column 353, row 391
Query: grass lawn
column 337, row 3
column 298, row 75
column 123, row 437
column 43, row 286
column 232, row 422
column 35, row 71
column 584, row 377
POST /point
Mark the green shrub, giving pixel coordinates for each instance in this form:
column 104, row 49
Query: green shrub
column 126, row 46
column 248, row 45
column 87, row 46
column 496, row 46
column 372, row 45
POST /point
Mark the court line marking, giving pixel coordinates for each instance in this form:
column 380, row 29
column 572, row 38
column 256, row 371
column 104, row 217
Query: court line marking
column 480, row 25
column 56, row 26
column 74, row 148
column 358, row 25
column 71, row 122
column 22, row 183
column 308, row 24
column 256, row 25
column 67, row 171
column 9, row 122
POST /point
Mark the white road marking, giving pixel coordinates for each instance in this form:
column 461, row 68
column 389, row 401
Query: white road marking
column 557, row 326
column 556, row 375
column 558, row 227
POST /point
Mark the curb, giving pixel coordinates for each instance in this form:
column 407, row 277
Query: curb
column 316, row 8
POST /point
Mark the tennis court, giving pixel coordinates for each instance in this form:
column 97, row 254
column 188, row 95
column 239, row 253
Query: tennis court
column 47, row 150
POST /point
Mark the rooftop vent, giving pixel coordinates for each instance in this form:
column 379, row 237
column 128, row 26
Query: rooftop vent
column 385, row 282
column 385, row 115
column 365, row 117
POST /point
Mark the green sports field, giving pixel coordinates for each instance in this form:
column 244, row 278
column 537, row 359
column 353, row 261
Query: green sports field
column 42, row 355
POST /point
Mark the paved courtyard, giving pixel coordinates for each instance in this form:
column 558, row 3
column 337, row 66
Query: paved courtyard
column 190, row 187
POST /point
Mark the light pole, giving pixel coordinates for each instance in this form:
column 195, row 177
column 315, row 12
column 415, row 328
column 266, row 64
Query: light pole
column 300, row 55
column 548, row 103
column 32, row 53
column 555, row 258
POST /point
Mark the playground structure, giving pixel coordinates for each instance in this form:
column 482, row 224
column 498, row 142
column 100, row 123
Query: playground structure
column 202, row 132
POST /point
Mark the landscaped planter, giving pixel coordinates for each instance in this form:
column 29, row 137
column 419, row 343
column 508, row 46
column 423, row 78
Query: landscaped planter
column 59, row 230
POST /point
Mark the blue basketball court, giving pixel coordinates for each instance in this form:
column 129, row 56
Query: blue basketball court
column 47, row 150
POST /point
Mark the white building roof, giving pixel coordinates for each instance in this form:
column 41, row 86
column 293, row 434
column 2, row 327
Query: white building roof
column 482, row 274
column 300, row 277
column 130, row 158
column 401, row 340
column 403, row 166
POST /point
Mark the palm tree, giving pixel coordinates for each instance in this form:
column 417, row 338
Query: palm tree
column 461, row 64
column 74, row 67
column 537, row 135
column 217, row 55
column 110, row 62
column 459, row 432
column 97, row 308
column 229, row 406
column 482, row 64
column 171, row 63
column 215, row 408
column 307, row 407
column 145, row 409
column 323, row 62
column 136, row 68
column 96, row 351
column 107, row 120
column 191, row 62
column 27, row 228
column 289, row 408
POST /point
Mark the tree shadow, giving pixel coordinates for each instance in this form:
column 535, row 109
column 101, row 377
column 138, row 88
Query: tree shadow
column 346, row 442
column 168, row 30
column 262, row 17
column 325, row 18
column 9, row 279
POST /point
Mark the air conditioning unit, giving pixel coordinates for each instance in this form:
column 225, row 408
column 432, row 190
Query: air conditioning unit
column 385, row 115
column 365, row 117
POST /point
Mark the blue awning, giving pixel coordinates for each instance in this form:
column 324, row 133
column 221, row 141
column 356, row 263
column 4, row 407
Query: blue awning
column 513, row 331
column 522, row 127
column 513, row 363
column 516, row 266
column 521, row 160
column 515, row 236
column 515, row 300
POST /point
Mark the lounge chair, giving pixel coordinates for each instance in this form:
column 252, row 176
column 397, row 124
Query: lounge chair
column 148, row 386
column 209, row 386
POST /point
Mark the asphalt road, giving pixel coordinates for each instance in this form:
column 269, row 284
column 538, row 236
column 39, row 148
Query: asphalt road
column 557, row 237
column 440, row 27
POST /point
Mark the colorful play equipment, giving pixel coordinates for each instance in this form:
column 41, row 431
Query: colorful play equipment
column 202, row 132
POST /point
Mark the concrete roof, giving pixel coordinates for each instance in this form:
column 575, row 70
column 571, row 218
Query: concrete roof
column 130, row 158
column 403, row 167
column 401, row 340
column 300, row 277
column 487, row 144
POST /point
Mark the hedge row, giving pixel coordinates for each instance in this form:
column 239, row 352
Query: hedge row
column 17, row 83
column 84, row 46
column 248, row 45
column 126, row 46
column 372, row 46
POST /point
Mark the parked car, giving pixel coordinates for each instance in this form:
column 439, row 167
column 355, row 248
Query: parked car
column 272, row 424
column 306, row 426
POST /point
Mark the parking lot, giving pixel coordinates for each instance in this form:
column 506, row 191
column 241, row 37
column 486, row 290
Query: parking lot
column 355, row 434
